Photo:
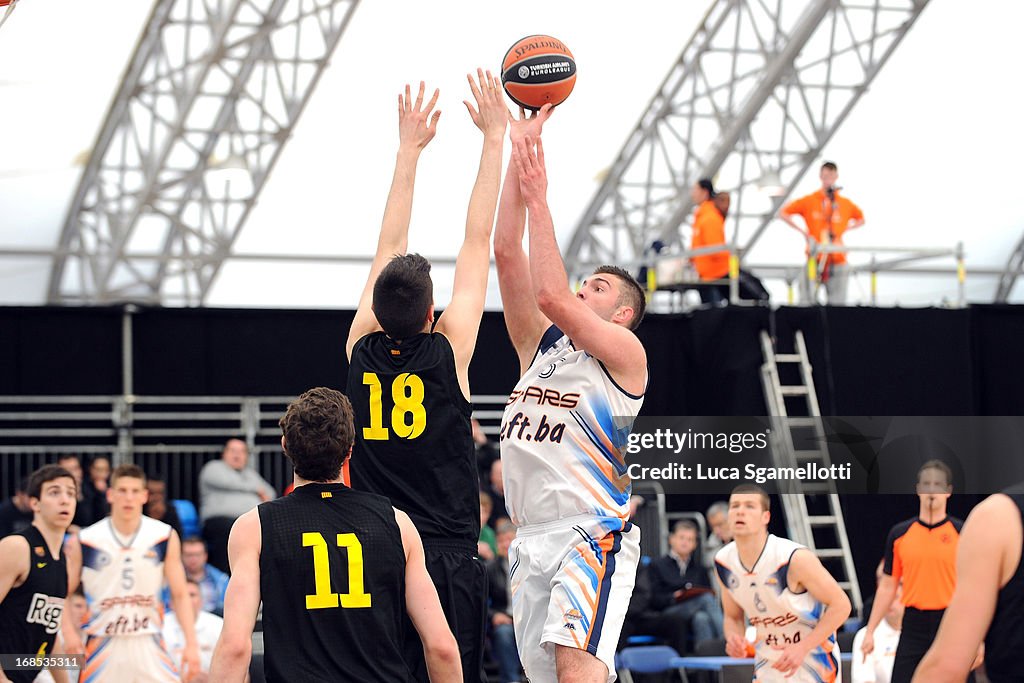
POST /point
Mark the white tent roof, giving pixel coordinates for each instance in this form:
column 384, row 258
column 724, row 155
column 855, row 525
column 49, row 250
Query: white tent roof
column 932, row 154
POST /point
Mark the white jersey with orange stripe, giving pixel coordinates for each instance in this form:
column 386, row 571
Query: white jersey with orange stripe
column 122, row 578
column 563, row 438
column 780, row 616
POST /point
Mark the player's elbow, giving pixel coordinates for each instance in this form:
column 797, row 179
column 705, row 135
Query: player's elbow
column 551, row 298
column 234, row 648
column 841, row 604
column 442, row 651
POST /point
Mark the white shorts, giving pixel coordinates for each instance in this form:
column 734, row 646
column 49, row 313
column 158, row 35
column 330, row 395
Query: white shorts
column 818, row 667
column 136, row 658
column 571, row 583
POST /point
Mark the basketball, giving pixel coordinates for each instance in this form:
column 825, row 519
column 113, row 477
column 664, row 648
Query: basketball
column 538, row 70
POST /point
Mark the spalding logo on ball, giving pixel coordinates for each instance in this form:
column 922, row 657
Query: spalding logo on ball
column 537, row 70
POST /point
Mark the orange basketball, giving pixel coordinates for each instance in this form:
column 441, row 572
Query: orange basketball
column 537, row 70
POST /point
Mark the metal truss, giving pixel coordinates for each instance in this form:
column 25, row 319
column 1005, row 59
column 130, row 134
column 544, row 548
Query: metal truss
column 757, row 92
column 1008, row 278
column 207, row 102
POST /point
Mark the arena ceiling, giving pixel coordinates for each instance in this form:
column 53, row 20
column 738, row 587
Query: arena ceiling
column 932, row 153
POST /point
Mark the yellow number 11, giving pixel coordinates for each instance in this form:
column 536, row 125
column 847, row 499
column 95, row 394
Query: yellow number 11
column 324, row 596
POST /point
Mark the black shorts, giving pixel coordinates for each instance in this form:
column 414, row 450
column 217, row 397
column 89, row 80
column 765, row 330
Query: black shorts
column 917, row 635
column 461, row 582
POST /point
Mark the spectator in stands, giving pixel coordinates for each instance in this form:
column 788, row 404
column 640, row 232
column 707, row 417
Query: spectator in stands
column 212, row 582
column 502, row 634
column 827, row 217
column 85, row 510
column 15, row 514
column 96, row 484
column 717, row 518
column 487, row 546
column 680, row 584
column 671, row 627
column 497, row 494
column 158, row 507
column 709, row 230
column 208, row 627
column 486, row 452
column 877, row 666
column 227, row 490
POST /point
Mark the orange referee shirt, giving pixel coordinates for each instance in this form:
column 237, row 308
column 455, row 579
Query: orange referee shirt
column 924, row 556
column 709, row 229
column 815, row 209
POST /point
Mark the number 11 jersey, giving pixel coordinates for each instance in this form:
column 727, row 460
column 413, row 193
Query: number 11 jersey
column 414, row 441
column 332, row 579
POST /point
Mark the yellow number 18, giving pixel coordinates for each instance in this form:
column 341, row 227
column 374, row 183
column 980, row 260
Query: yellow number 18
column 408, row 417
column 324, row 596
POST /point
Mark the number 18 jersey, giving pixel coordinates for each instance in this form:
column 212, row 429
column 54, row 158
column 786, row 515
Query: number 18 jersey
column 414, row 441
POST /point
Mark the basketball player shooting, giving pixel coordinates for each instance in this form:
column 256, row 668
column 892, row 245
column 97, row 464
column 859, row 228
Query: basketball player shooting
column 563, row 432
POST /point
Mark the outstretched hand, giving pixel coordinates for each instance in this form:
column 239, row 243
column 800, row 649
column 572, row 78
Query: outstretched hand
column 531, row 125
column 493, row 115
column 416, row 125
column 533, row 177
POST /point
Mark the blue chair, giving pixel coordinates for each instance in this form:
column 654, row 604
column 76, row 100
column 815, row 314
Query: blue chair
column 189, row 517
column 646, row 659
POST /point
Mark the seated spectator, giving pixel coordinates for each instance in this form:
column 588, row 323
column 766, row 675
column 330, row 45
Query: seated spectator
column 96, row 484
column 502, row 634
column 497, row 493
column 877, row 666
column 208, row 627
column 85, row 510
column 158, row 507
column 487, row 546
column 15, row 514
column 212, row 582
column 672, row 628
column 717, row 517
column 227, row 490
column 680, row 584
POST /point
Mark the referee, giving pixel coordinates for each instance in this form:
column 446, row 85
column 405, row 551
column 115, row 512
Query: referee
column 922, row 553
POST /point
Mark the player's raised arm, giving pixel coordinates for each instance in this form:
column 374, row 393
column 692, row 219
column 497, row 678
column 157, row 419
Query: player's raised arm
column 421, row 603
column 242, row 601
column 525, row 322
column 416, row 128
column 602, row 328
column 460, row 322
column 984, row 563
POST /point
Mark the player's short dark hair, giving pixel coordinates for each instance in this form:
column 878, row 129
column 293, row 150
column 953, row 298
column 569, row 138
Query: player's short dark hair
column 830, row 165
column 318, row 433
column 686, row 525
column 630, row 295
column 766, row 502
column 45, row 474
column 402, row 295
column 937, row 465
column 128, row 470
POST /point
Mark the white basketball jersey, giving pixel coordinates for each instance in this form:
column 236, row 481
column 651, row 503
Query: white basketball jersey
column 780, row 616
column 563, row 438
column 122, row 578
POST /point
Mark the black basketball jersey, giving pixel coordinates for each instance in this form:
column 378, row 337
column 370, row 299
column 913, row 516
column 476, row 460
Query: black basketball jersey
column 30, row 614
column 1005, row 640
column 414, row 440
column 332, row 578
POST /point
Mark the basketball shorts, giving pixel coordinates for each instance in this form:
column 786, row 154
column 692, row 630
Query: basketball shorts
column 819, row 667
column 571, row 583
column 461, row 582
column 136, row 658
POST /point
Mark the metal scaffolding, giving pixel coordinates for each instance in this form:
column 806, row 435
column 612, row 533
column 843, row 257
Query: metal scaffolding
column 1008, row 278
column 754, row 97
column 208, row 100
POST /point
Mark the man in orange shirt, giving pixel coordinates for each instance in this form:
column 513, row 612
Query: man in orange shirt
column 921, row 551
column 827, row 216
column 709, row 229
